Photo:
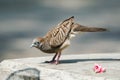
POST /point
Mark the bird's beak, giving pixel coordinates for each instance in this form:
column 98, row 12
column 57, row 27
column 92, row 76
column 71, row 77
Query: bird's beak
column 32, row 45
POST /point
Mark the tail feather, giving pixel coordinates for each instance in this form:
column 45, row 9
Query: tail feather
column 78, row 27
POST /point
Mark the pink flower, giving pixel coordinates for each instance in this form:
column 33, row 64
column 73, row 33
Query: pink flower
column 98, row 68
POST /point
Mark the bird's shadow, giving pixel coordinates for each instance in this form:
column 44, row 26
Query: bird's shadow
column 87, row 60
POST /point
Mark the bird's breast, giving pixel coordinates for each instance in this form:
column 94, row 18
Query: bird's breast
column 45, row 46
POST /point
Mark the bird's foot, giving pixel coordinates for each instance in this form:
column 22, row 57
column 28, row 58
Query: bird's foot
column 56, row 62
column 53, row 62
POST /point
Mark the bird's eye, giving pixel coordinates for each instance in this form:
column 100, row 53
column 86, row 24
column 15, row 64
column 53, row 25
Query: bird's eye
column 37, row 42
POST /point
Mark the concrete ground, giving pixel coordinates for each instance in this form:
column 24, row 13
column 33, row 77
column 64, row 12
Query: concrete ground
column 72, row 67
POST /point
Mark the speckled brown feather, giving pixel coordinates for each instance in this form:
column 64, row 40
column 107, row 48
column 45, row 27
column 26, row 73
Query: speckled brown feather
column 58, row 35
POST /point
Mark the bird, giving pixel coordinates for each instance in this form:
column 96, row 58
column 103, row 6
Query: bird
column 58, row 38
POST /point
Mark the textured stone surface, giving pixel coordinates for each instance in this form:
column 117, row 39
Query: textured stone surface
column 72, row 67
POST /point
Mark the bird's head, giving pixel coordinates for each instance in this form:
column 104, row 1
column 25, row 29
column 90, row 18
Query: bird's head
column 36, row 42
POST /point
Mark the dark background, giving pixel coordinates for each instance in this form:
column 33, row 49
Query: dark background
column 23, row 20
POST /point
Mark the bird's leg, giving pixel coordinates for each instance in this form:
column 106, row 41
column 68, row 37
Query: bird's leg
column 58, row 57
column 53, row 59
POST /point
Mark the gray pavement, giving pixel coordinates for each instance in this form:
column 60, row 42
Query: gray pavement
column 72, row 67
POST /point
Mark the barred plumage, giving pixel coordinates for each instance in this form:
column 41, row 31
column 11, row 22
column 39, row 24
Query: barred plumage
column 58, row 38
column 58, row 35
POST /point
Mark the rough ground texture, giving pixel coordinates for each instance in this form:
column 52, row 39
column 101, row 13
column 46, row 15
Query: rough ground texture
column 72, row 67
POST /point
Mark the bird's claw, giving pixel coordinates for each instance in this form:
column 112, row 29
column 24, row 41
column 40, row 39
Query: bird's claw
column 52, row 62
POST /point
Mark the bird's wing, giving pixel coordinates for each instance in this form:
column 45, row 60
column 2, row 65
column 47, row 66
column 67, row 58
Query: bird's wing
column 58, row 35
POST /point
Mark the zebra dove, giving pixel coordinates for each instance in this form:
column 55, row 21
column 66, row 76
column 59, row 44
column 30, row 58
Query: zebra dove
column 57, row 39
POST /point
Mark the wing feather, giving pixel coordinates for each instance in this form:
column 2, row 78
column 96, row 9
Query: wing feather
column 58, row 35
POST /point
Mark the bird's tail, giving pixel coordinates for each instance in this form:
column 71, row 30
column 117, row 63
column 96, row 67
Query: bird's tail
column 81, row 28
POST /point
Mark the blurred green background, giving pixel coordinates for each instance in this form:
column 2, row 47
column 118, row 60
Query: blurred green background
column 23, row 20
